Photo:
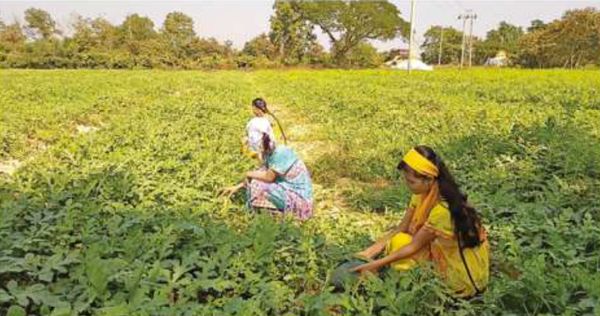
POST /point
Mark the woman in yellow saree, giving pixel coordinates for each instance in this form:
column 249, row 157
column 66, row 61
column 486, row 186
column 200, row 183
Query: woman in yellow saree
column 439, row 225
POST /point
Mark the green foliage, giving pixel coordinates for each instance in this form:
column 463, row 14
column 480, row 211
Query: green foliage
column 137, row 28
column 178, row 32
column 505, row 38
column 522, row 144
column 40, row 24
column 11, row 38
column 348, row 24
column 364, row 55
column 179, row 26
column 291, row 35
column 451, row 40
column 260, row 46
column 125, row 221
column 571, row 41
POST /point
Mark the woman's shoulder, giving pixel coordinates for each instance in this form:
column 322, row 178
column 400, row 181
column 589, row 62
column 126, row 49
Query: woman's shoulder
column 283, row 150
column 281, row 159
column 441, row 206
column 440, row 219
column 259, row 120
column 441, row 209
column 259, row 123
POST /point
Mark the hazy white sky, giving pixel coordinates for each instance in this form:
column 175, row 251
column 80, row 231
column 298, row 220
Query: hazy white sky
column 240, row 20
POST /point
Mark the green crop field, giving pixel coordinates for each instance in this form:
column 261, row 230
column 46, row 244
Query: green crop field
column 113, row 209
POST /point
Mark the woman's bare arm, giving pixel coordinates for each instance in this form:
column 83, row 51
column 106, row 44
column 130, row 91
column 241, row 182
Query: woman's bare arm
column 268, row 175
column 404, row 224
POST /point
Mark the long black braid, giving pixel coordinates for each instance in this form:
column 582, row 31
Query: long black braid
column 261, row 104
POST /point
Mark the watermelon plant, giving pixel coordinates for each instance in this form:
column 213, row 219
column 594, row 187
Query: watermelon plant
column 125, row 219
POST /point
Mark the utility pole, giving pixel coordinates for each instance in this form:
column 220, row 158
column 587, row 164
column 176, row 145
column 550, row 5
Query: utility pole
column 411, row 36
column 441, row 41
column 462, row 45
column 473, row 17
column 466, row 16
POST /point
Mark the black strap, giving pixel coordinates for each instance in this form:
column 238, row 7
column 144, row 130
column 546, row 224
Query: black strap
column 462, row 256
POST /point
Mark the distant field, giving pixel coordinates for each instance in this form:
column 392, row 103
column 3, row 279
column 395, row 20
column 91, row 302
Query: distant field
column 110, row 207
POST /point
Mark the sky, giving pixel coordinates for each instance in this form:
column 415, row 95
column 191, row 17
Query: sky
column 240, row 21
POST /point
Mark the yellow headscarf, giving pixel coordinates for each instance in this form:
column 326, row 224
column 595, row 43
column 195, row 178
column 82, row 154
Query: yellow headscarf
column 425, row 167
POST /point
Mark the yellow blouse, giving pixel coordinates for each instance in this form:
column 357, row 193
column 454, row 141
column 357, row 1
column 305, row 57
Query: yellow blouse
column 446, row 256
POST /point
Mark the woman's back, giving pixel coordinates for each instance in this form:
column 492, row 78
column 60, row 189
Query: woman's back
column 292, row 171
column 255, row 128
column 445, row 253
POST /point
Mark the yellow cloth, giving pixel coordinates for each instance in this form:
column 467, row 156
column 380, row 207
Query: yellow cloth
column 402, row 239
column 446, row 256
column 428, row 200
column 420, row 213
column 420, row 164
column 421, row 209
column 397, row 242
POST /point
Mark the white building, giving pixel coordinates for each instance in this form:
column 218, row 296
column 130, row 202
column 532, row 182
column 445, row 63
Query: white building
column 500, row 60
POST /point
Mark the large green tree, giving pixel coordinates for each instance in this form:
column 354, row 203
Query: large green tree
column 179, row 28
column 260, row 46
column 40, row 24
column 572, row 41
column 350, row 23
column 504, row 38
column 291, row 34
column 137, row 34
column 137, row 28
column 96, row 34
column 178, row 32
column 451, row 45
column 83, row 34
column 107, row 34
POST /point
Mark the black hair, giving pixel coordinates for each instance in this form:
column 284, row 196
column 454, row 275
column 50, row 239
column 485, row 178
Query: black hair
column 467, row 223
column 267, row 144
column 261, row 104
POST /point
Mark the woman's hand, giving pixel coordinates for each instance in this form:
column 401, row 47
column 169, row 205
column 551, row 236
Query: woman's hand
column 230, row 191
column 268, row 175
column 378, row 246
column 365, row 268
column 368, row 253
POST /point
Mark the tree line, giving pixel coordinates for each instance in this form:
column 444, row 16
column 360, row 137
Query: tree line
column 572, row 41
